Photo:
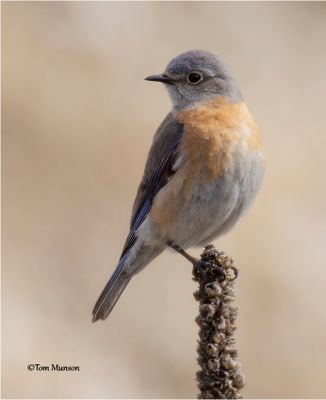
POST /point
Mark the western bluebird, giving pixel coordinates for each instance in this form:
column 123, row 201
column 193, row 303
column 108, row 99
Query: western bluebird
column 203, row 170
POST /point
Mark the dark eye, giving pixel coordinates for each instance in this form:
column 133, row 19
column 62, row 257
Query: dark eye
column 194, row 77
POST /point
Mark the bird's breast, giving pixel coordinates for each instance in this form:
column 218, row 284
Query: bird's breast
column 217, row 134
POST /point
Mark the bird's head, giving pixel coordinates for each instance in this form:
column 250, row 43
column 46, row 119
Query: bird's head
column 197, row 76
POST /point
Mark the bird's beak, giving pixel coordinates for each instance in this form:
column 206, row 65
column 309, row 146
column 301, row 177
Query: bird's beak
column 160, row 78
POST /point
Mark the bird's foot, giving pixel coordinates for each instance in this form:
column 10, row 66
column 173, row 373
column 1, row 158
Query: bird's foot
column 199, row 265
column 207, row 267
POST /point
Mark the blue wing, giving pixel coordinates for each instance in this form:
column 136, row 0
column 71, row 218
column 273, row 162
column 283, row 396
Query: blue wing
column 158, row 171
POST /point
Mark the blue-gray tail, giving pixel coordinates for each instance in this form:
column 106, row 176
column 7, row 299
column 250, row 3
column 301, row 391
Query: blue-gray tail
column 112, row 291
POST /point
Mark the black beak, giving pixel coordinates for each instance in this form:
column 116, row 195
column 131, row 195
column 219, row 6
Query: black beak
column 160, row 78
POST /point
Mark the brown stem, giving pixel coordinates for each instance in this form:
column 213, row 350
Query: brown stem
column 220, row 375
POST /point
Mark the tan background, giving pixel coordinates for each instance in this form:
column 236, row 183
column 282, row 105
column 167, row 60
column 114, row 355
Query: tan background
column 77, row 123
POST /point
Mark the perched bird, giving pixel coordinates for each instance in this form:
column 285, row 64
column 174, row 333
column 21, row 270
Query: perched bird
column 203, row 170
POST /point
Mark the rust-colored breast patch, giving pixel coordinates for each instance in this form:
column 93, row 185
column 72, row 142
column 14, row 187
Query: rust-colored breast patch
column 212, row 133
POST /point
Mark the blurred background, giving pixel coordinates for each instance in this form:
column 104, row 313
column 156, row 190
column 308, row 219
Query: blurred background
column 78, row 120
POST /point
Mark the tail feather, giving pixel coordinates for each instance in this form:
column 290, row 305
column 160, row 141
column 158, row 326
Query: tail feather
column 111, row 292
column 130, row 264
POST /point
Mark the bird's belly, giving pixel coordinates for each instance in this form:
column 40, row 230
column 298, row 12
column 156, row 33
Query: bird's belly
column 230, row 197
column 197, row 210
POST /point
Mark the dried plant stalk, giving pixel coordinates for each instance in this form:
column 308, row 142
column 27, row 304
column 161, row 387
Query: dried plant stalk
column 219, row 375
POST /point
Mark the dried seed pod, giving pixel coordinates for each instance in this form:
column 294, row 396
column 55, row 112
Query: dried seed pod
column 228, row 363
column 219, row 337
column 229, row 349
column 211, row 349
column 213, row 289
column 222, row 324
column 239, row 380
column 220, row 375
column 208, row 310
column 213, row 364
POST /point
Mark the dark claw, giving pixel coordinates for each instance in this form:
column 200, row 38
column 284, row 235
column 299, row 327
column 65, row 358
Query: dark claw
column 200, row 265
column 222, row 273
column 236, row 273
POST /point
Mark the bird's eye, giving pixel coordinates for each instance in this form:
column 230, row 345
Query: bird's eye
column 194, row 77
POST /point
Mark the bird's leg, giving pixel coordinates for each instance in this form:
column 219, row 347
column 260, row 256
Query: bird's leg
column 180, row 250
column 197, row 263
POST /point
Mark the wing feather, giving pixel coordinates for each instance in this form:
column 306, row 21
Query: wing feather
column 160, row 166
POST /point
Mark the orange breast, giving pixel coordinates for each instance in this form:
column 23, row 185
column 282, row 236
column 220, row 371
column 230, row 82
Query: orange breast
column 214, row 131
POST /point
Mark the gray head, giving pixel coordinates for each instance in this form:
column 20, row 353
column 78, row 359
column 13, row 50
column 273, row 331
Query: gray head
column 196, row 76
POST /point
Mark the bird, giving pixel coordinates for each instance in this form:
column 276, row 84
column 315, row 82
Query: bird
column 203, row 171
